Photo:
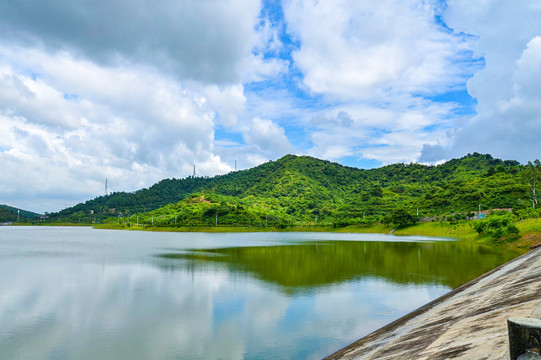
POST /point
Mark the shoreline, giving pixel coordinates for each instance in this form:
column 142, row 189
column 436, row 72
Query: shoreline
column 530, row 231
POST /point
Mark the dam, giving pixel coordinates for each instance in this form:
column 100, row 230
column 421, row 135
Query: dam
column 470, row 322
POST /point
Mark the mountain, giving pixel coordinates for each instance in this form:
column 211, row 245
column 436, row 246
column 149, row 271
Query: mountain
column 9, row 213
column 297, row 188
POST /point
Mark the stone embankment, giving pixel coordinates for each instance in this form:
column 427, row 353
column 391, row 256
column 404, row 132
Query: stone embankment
column 470, row 322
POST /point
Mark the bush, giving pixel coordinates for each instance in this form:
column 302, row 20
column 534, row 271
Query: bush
column 497, row 226
column 400, row 217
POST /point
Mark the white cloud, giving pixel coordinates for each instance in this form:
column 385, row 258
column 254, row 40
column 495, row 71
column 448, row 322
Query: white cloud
column 375, row 62
column 201, row 40
column 268, row 138
column 129, row 92
column 131, row 126
column 229, row 102
column 508, row 117
column 394, row 134
column 376, row 50
column 432, row 154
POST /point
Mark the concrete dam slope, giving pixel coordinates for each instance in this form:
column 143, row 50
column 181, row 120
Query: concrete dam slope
column 470, row 322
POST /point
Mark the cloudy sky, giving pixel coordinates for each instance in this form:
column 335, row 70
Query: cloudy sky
column 137, row 91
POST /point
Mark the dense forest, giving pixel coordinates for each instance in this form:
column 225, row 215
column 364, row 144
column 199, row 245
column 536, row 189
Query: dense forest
column 297, row 190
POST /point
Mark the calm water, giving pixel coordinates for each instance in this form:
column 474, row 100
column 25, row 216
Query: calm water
column 80, row 293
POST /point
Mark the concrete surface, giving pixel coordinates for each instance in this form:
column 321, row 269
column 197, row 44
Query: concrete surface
column 470, row 322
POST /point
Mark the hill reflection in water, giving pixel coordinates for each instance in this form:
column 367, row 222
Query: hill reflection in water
column 301, row 267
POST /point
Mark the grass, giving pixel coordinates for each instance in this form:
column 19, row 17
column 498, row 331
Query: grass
column 530, row 230
column 530, row 233
column 49, row 224
column 215, row 229
column 462, row 230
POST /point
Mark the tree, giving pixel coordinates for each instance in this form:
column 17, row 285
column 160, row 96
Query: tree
column 532, row 176
column 497, row 226
column 401, row 217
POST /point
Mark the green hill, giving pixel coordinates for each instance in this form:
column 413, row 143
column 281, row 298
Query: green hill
column 296, row 189
column 9, row 214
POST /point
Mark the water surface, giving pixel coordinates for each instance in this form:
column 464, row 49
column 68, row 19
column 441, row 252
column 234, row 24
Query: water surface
column 80, row 293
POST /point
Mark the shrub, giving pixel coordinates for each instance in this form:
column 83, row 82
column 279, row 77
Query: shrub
column 400, row 217
column 497, row 226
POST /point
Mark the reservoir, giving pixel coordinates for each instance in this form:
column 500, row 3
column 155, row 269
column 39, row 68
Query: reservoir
column 81, row 293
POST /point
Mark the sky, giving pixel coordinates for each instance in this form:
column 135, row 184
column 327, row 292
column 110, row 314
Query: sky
column 135, row 92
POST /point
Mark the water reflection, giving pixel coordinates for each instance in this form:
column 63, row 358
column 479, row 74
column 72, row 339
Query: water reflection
column 297, row 268
column 72, row 293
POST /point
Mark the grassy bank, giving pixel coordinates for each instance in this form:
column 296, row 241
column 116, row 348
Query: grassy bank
column 50, row 224
column 530, row 230
column 463, row 230
column 216, row 229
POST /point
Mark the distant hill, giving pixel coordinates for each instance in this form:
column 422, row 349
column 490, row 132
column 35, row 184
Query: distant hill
column 9, row 213
column 297, row 188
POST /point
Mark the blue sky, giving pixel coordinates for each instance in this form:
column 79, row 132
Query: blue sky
column 140, row 92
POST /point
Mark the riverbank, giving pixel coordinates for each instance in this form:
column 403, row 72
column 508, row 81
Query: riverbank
column 467, row 323
column 530, row 230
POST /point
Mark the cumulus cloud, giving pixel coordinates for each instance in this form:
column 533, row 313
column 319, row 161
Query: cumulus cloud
column 203, row 40
column 432, row 154
column 268, row 138
column 132, row 92
column 379, row 64
column 389, row 135
column 376, row 50
column 508, row 118
column 130, row 126
column 229, row 102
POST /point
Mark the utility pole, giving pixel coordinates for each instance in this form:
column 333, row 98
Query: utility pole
column 18, row 213
column 137, row 220
column 316, row 219
column 193, row 170
column 479, row 208
column 175, row 219
column 216, row 223
column 105, row 186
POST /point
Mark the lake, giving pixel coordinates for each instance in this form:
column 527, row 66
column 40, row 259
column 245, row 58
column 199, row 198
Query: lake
column 81, row 293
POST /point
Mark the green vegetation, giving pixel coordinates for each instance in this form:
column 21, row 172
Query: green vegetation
column 532, row 177
column 302, row 191
column 295, row 268
column 12, row 214
column 400, row 217
column 497, row 226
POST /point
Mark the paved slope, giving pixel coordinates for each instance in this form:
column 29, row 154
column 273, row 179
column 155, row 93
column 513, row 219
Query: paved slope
column 468, row 323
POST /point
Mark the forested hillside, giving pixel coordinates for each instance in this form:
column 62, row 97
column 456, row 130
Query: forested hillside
column 296, row 189
column 9, row 213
